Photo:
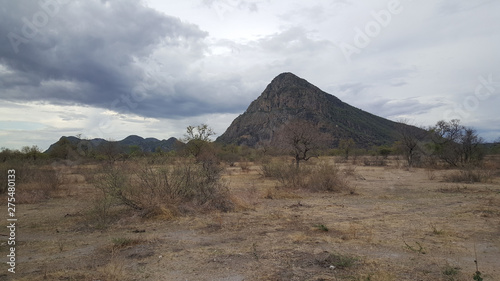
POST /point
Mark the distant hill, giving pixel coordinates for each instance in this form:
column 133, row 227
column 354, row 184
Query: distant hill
column 289, row 97
column 145, row 145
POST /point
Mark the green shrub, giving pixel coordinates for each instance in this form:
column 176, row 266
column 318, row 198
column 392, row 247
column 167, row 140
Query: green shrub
column 451, row 271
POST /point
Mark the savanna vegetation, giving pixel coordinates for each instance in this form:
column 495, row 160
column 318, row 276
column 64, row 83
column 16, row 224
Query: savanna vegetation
column 426, row 208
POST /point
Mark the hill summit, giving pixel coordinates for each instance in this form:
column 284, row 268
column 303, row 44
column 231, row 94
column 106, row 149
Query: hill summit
column 289, row 97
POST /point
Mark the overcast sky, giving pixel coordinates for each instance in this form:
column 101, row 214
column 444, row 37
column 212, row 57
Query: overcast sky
column 110, row 69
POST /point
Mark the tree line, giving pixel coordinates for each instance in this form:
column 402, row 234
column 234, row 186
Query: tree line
column 447, row 141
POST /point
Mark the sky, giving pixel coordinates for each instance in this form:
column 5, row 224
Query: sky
column 109, row 69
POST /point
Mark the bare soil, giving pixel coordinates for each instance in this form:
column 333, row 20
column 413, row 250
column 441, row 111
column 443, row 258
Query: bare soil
column 393, row 224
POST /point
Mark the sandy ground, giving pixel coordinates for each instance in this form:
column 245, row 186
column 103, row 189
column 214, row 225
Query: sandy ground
column 397, row 224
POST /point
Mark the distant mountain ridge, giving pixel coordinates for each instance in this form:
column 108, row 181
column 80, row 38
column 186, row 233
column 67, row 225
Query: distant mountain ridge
column 289, row 97
column 144, row 144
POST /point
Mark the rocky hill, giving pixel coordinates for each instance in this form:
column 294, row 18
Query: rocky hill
column 289, row 97
column 144, row 145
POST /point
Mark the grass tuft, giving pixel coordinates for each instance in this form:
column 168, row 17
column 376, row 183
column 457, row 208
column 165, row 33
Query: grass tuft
column 321, row 227
column 339, row 261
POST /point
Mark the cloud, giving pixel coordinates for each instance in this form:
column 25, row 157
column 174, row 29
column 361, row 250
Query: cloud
column 352, row 89
column 20, row 125
column 226, row 6
column 125, row 67
column 398, row 108
column 98, row 53
column 317, row 12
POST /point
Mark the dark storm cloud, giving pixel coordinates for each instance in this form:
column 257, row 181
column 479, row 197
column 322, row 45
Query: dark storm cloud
column 205, row 96
column 98, row 53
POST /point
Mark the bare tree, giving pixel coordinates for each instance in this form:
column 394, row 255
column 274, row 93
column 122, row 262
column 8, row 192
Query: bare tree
column 302, row 139
column 410, row 138
column 456, row 144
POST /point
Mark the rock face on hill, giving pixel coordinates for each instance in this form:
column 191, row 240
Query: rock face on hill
column 289, row 97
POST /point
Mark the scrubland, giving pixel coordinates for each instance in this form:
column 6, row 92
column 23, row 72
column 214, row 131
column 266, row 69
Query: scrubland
column 333, row 219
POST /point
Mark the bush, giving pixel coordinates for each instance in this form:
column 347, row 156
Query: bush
column 469, row 175
column 287, row 174
column 271, row 170
column 245, row 166
column 323, row 177
column 374, row 161
column 155, row 190
column 34, row 183
column 100, row 214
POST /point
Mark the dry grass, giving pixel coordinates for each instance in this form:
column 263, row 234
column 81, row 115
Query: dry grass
column 321, row 177
column 162, row 191
column 470, row 175
column 274, row 232
column 36, row 184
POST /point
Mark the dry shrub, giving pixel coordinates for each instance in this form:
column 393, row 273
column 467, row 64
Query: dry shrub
column 30, row 194
column 321, row 177
column 374, row 161
column 340, row 159
column 326, row 177
column 492, row 163
column 469, row 175
column 100, row 215
column 47, row 179
column 279, row 193
column 349, row 170
column 431, row 174
column 287, row 174
column 245, row 166
column 245, row 199
column 163, row 192
column 35, row 184
column 272, row 169
column 23, row 173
